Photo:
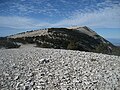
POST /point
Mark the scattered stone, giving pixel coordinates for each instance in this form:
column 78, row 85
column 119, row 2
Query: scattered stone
column 26, row 88
column 16, row 78
column 67, row 70
column 43, row 61
column 93, row 59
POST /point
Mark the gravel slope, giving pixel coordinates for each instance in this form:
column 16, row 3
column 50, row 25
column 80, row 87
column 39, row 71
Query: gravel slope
column 30, row 68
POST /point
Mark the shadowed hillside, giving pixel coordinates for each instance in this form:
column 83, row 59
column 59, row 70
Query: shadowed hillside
column 73, row 38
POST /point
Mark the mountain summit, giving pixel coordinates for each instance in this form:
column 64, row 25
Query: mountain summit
column 85, row 30
column 75, row 38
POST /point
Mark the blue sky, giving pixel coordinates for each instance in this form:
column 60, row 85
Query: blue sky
column 103, row 16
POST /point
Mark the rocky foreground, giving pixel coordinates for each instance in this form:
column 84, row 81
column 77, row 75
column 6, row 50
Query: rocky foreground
column 31, row 68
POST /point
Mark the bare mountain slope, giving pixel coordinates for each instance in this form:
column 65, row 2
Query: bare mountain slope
column 84, row 30
column 29, row 34
column 75, row 38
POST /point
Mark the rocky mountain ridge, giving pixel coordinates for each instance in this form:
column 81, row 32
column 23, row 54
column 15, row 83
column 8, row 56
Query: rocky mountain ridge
column 75, row 38
column 45, row 31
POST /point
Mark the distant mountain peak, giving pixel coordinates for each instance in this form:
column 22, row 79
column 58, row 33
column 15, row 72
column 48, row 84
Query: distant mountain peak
column 85, row 30
column 73, row 38
column 83, row 38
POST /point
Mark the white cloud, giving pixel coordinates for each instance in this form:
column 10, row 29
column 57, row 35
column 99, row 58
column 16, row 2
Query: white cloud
column 23, row 0
column 27, row 7
column 20, row 23
column 107, row 18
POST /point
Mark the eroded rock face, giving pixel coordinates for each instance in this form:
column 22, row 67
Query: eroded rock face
column 33, row 68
